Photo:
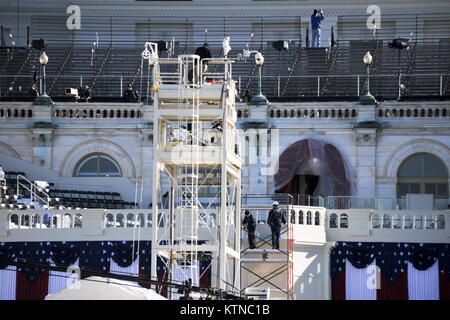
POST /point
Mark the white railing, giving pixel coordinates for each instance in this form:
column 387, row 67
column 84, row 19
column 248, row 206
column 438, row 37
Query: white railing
column 39, row 219
column 355, row 202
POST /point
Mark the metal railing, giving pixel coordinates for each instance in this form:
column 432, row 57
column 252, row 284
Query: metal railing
column 385, row 85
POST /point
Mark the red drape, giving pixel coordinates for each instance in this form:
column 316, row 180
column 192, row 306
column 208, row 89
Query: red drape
column 204, row 280
column 444, row 287
column 398, row 290
column 26, row 290
column 145, row 276
column 338, row 287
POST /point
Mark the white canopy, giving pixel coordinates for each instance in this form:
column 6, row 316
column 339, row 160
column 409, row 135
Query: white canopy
column 98, row 288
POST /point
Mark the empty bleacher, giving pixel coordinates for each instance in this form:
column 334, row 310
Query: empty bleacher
column 15, row 195
column 329, row 71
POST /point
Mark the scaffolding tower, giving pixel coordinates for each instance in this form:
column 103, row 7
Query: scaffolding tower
column 195, row 146
column 264, row 267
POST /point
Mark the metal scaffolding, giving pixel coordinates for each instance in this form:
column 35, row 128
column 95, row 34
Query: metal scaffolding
column 265, row 267
column 195, row 146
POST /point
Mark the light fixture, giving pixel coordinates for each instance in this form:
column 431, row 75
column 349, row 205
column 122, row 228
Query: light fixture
column 367, row 99
column 43, row 99
column 43, row 59
column 258, row 99
column 367, row 58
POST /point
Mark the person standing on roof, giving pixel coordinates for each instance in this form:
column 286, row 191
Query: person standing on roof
column 274, row 221
column 316, row 18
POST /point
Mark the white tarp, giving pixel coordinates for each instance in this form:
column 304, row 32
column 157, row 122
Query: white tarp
column 98, row 288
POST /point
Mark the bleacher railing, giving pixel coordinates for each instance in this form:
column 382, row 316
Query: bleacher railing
column 352, row 85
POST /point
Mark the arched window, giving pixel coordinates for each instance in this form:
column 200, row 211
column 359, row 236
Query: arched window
column 344, row 221
column 308, row 217
column 316, row 218
column 440, row 221
column 333, row 220
column 375, row 221
column 300, row 217
column 387, row 222
column 397, row 222
column 97, row 165
column 423, row 173
column 407, row 222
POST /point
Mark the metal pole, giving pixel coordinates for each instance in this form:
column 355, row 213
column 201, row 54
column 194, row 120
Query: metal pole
column 44, row 90
column 358, row 86
column 121, row 86
column 240, row 85
column 440, row 85
column 318, row 86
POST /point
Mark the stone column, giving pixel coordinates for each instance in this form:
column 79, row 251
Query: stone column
column 365, row 148
column 145, row 138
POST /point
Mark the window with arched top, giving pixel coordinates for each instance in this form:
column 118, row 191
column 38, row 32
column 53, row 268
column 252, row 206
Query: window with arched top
column 109, row 220
column 316, row 218
column 120, row 220
column 344, row 220
column 407, row 222
column 300, row 217
column 308, row 218
column 375, row 221
column 387, row 222
column 429, row 222
column 397, row 222
column 418, row 222
column 333, row 220
column 423, row 173
column 440, row 221
column 130, row 220
column 35, row 221
column 97, row 165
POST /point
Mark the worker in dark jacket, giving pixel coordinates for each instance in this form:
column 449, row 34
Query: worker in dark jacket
column 130, row 95
column 274, row 221
column 204, row 53
column 250, row 225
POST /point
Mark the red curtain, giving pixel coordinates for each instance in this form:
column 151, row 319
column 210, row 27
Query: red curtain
column 26, row 290
column 204, row 280
column 142, row 274
column 338, row 287
column 398, row 290
column 444, row 287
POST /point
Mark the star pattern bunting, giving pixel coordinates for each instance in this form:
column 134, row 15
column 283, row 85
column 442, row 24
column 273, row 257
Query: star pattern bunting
column 391, row 258
column 92, row 255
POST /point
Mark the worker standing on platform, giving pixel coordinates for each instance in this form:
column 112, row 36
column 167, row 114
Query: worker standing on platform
column 250, row 225
column 274, row 221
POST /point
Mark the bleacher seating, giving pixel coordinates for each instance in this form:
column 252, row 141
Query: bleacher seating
column 64, row 198
column 425, row 65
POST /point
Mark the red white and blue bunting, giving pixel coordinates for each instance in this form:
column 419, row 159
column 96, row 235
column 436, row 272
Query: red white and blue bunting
column 390, row 271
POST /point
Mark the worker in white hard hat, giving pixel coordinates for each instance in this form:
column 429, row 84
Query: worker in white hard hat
column 274, row 221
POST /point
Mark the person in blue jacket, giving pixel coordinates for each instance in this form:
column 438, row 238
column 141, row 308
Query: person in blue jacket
column 316, row 18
